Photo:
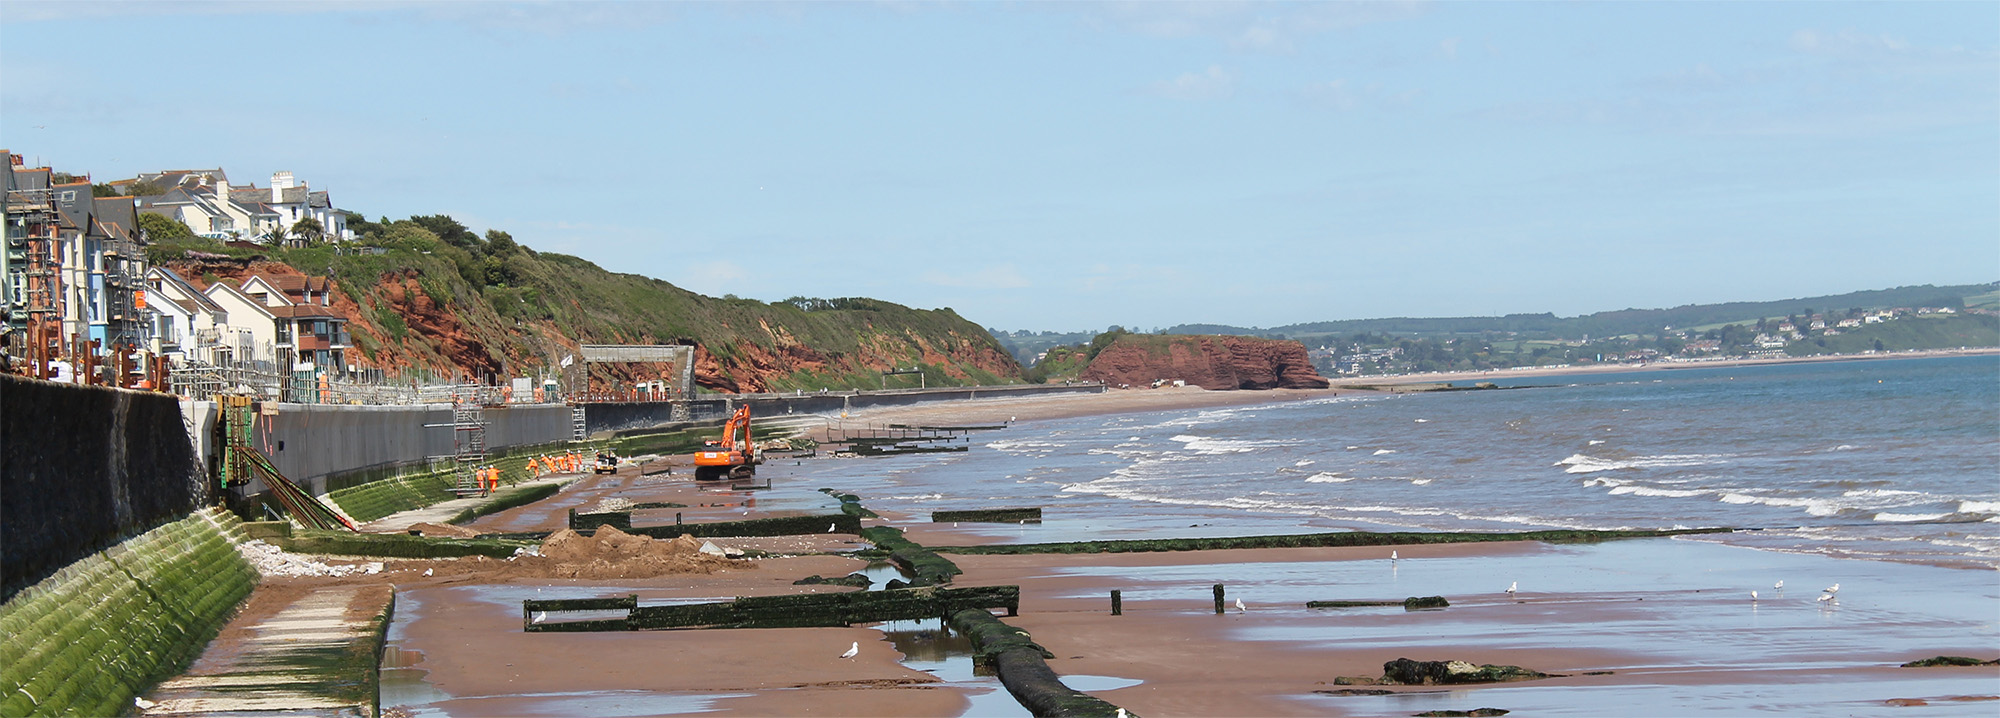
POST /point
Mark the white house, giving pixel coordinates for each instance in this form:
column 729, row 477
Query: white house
column 290, row 317
column 188, row 325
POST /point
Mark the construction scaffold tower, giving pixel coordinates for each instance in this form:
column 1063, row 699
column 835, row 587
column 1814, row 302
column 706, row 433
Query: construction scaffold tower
column 37, row 313
column 468, row 423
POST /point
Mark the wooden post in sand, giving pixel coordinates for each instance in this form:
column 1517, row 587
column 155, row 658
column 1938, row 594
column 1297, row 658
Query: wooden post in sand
column 1218, row 599
column 1117, row 603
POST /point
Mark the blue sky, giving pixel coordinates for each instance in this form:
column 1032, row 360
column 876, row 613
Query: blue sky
column 1069, row 166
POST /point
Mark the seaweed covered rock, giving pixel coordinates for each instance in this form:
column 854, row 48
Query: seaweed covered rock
column 1418, row 603
column 853, row 579
column 1936, row 661
column 1439, row 673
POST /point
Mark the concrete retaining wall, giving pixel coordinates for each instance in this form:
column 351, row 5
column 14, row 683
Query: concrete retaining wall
column 328, row 446
column 82, row 468
column 621, row 416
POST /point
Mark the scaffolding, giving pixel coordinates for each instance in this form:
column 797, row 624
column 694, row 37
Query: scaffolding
column 468, row 422
column 37, row 309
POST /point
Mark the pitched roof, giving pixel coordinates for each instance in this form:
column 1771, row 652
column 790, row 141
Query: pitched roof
column 183, row 286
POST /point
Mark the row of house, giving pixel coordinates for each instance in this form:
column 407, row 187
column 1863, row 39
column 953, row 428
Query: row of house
column 75, row 286
column 207, row 203
column 71, row 273
column 284, row 319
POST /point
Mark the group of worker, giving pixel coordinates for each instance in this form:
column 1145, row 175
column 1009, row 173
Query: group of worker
column 569, row 463
column 488, row 478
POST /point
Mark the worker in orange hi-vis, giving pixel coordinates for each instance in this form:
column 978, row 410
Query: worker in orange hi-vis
column 492, row 479
column 535, row 466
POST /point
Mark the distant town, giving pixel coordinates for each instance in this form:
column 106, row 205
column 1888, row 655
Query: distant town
column 1851, row 331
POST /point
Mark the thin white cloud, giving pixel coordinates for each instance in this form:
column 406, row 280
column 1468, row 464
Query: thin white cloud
column 548, row 17
column 1255, row 27
column 1003, row 276
column 1211, row 84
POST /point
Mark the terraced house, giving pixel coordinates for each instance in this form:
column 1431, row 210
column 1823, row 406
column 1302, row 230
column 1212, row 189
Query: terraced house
column 290, row 318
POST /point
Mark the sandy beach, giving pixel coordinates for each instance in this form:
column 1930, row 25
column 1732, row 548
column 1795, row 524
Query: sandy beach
column 1639, row 627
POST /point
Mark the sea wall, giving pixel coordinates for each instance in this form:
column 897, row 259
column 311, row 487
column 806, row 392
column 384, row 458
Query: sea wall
column 621, row 416
column 330, row 446
column 82, row 468
column 98, row 632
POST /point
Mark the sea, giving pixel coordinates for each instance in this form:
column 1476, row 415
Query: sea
column 1884, row 459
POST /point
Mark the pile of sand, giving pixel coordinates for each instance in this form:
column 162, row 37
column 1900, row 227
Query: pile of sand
column 612, row 553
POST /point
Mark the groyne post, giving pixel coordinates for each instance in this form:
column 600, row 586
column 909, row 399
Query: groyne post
column 1218, row 599
column 1117, row 603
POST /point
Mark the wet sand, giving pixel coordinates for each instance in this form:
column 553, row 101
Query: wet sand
column 1671, row 619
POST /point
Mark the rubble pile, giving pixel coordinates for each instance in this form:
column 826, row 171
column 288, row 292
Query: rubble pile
column 273, row 561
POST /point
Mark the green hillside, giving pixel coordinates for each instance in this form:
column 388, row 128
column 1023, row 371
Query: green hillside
column 438, row 299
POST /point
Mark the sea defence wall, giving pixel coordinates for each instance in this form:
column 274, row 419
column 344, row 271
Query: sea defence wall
column 329, row 446
column 82, row 468
column 621, row 416
column 115, row 576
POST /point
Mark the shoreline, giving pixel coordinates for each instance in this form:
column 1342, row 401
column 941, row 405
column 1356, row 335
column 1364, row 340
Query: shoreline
column 1652, row 366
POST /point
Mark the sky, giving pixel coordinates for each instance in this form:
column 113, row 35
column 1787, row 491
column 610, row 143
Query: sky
column 1068, row 166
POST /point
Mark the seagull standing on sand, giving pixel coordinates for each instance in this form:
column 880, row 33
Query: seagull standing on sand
column 1825, row 599
column 1512, row 587
column 1753, row 596
column 1392, row 554
column 1779, row 586
column 829, row 528
column 427, row 572
column 852, row 651
column 1833, row 589
column 1239, row 606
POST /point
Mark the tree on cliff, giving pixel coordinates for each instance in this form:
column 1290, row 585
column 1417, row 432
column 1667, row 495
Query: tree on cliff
column 159, row 228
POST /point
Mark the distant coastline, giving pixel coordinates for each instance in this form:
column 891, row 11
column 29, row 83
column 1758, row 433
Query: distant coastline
column 1492, row 374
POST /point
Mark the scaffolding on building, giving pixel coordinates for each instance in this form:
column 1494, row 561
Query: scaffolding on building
column 36, row 314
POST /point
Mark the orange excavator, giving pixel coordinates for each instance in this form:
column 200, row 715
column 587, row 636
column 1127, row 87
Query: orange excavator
column 730, row 457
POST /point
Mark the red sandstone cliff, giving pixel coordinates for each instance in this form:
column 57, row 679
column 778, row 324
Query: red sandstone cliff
column 1210, row 362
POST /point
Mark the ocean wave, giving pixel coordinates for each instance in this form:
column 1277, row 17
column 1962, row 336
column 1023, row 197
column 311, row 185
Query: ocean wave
column 1904, row 518
column 1207, row 445
column 1978, row 507
column 1815, row 507
column 1420, row 482
column 1025, row 444
column 1645, row 491
column 1586, row 464
column 1328, row 478
column 1303, row 462
column 918, row 497
column 1594, row 442
column 1423, row 421
column 1379, row 452
column 1844, row 447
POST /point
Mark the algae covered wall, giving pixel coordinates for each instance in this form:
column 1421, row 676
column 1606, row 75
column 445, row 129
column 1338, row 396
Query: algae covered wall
column 82, row 468
column 106, row 628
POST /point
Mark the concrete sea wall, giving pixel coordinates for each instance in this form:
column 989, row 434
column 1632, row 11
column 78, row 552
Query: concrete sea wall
column 106, row 628
column 621, row 416
column 324, row 447
column 82, row 468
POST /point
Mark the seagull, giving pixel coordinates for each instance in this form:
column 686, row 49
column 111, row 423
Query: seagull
column 852, row 651
column 829, row 528
column 1121, row 713
column 1239, row 606
column 1833, row 589
column 1825, row 598
column 427, row 572
column 540, row 616
column 1392, row 555
column 1753, row 596
column 1512, row 587
column 1778, row 586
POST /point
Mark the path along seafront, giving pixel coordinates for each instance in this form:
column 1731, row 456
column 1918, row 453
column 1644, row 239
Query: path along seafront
column 1657, row 626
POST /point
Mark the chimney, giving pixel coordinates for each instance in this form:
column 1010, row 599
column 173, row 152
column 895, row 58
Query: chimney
column 280, row 181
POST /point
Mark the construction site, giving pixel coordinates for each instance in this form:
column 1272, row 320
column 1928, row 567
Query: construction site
column 217, row 518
